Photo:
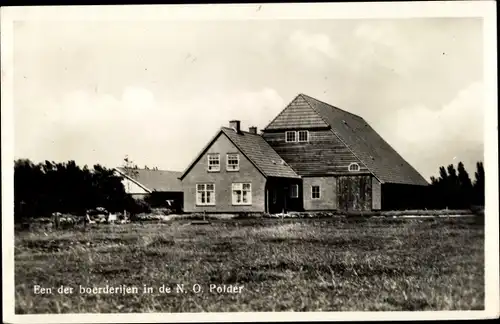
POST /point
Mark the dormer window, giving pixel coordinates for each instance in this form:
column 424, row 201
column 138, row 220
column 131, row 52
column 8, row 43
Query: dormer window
column 353, row 167
column 233, row 162
column 290, row 137
column 214, row 162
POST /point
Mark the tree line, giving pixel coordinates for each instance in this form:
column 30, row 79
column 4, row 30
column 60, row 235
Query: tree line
column 454, row 189
column 43, row 188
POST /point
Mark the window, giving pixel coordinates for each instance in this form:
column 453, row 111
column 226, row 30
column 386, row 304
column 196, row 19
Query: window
column 315, row 192
column 205, row 194
column 290, row 137
column 294, row 191
column 353, row 167
column 242, row 193
column 213, row 162
column 233, row 162
column 303, row 136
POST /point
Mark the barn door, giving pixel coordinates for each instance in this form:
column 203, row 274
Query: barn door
column 354, row 193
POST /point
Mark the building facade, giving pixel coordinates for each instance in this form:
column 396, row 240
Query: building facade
column 311, row 157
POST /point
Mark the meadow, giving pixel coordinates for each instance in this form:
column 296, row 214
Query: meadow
column 322, row 264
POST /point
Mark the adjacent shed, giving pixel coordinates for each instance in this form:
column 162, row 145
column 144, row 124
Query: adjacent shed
column 160, row 187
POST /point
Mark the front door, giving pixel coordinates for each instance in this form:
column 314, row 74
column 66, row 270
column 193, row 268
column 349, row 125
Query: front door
column 277, row 199
column 354, row 193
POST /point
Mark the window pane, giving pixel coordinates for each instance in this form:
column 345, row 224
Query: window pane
column 315, row 192
column 303, row 136
column 354, row 167
column 232, row 162
column 213, row 162
column 246, row 186
column 210, row 187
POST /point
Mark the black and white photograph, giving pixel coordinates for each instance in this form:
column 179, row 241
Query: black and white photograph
column 250, row 162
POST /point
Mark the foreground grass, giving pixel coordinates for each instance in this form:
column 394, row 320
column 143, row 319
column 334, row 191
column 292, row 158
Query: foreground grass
column 283, row 265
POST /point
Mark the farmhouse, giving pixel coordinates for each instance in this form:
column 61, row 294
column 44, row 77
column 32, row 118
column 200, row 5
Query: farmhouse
column 161, row 186
column 311, row 157
column 236, row 172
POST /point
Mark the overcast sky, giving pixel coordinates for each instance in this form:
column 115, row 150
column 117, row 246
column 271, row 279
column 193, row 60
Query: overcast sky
column 158, row 91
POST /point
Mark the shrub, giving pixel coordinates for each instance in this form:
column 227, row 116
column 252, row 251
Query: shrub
column 162, row 211
column 135, row 207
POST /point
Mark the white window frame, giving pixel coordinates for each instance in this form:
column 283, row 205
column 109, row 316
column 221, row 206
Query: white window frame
column 307, row 136
column 239, row 186
column 353, row 164
column 312, row 192
column 209, row 156
column 227, row 162
column 204, row 189
column 291, row 191
column 294, row 136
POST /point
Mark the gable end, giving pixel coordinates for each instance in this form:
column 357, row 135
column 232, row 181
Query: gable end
column 297, row 115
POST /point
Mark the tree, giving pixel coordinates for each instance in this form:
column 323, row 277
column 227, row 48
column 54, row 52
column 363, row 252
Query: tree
column 454, row 188
column 40, row 189
column 464, row 185
column 479, row 185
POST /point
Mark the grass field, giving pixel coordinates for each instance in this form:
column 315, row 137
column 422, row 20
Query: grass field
column 283, row 265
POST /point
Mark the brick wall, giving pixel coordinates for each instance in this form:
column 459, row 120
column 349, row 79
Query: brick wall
column 223, row 181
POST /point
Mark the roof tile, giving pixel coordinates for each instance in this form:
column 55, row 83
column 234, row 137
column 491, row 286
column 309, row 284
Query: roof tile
column 157, row 180
column 378, row 156
column 260, row 153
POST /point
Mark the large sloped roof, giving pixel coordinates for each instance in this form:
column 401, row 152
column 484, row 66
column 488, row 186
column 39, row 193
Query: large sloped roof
column 370, row 148
column 256, row 150
column 155, row 180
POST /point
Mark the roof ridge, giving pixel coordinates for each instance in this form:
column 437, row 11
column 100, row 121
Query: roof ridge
column 306, row 97
column 241, row 131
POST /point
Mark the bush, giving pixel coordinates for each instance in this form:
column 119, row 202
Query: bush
column 162, row 211
column 135, row 207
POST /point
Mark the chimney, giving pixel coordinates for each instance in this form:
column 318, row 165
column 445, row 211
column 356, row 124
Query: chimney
column 252, row 130
column 235, row 124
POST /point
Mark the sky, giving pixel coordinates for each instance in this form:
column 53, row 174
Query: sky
column 158, row 91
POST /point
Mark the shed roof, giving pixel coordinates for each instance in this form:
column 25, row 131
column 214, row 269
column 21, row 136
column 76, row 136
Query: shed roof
column 155, row 180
